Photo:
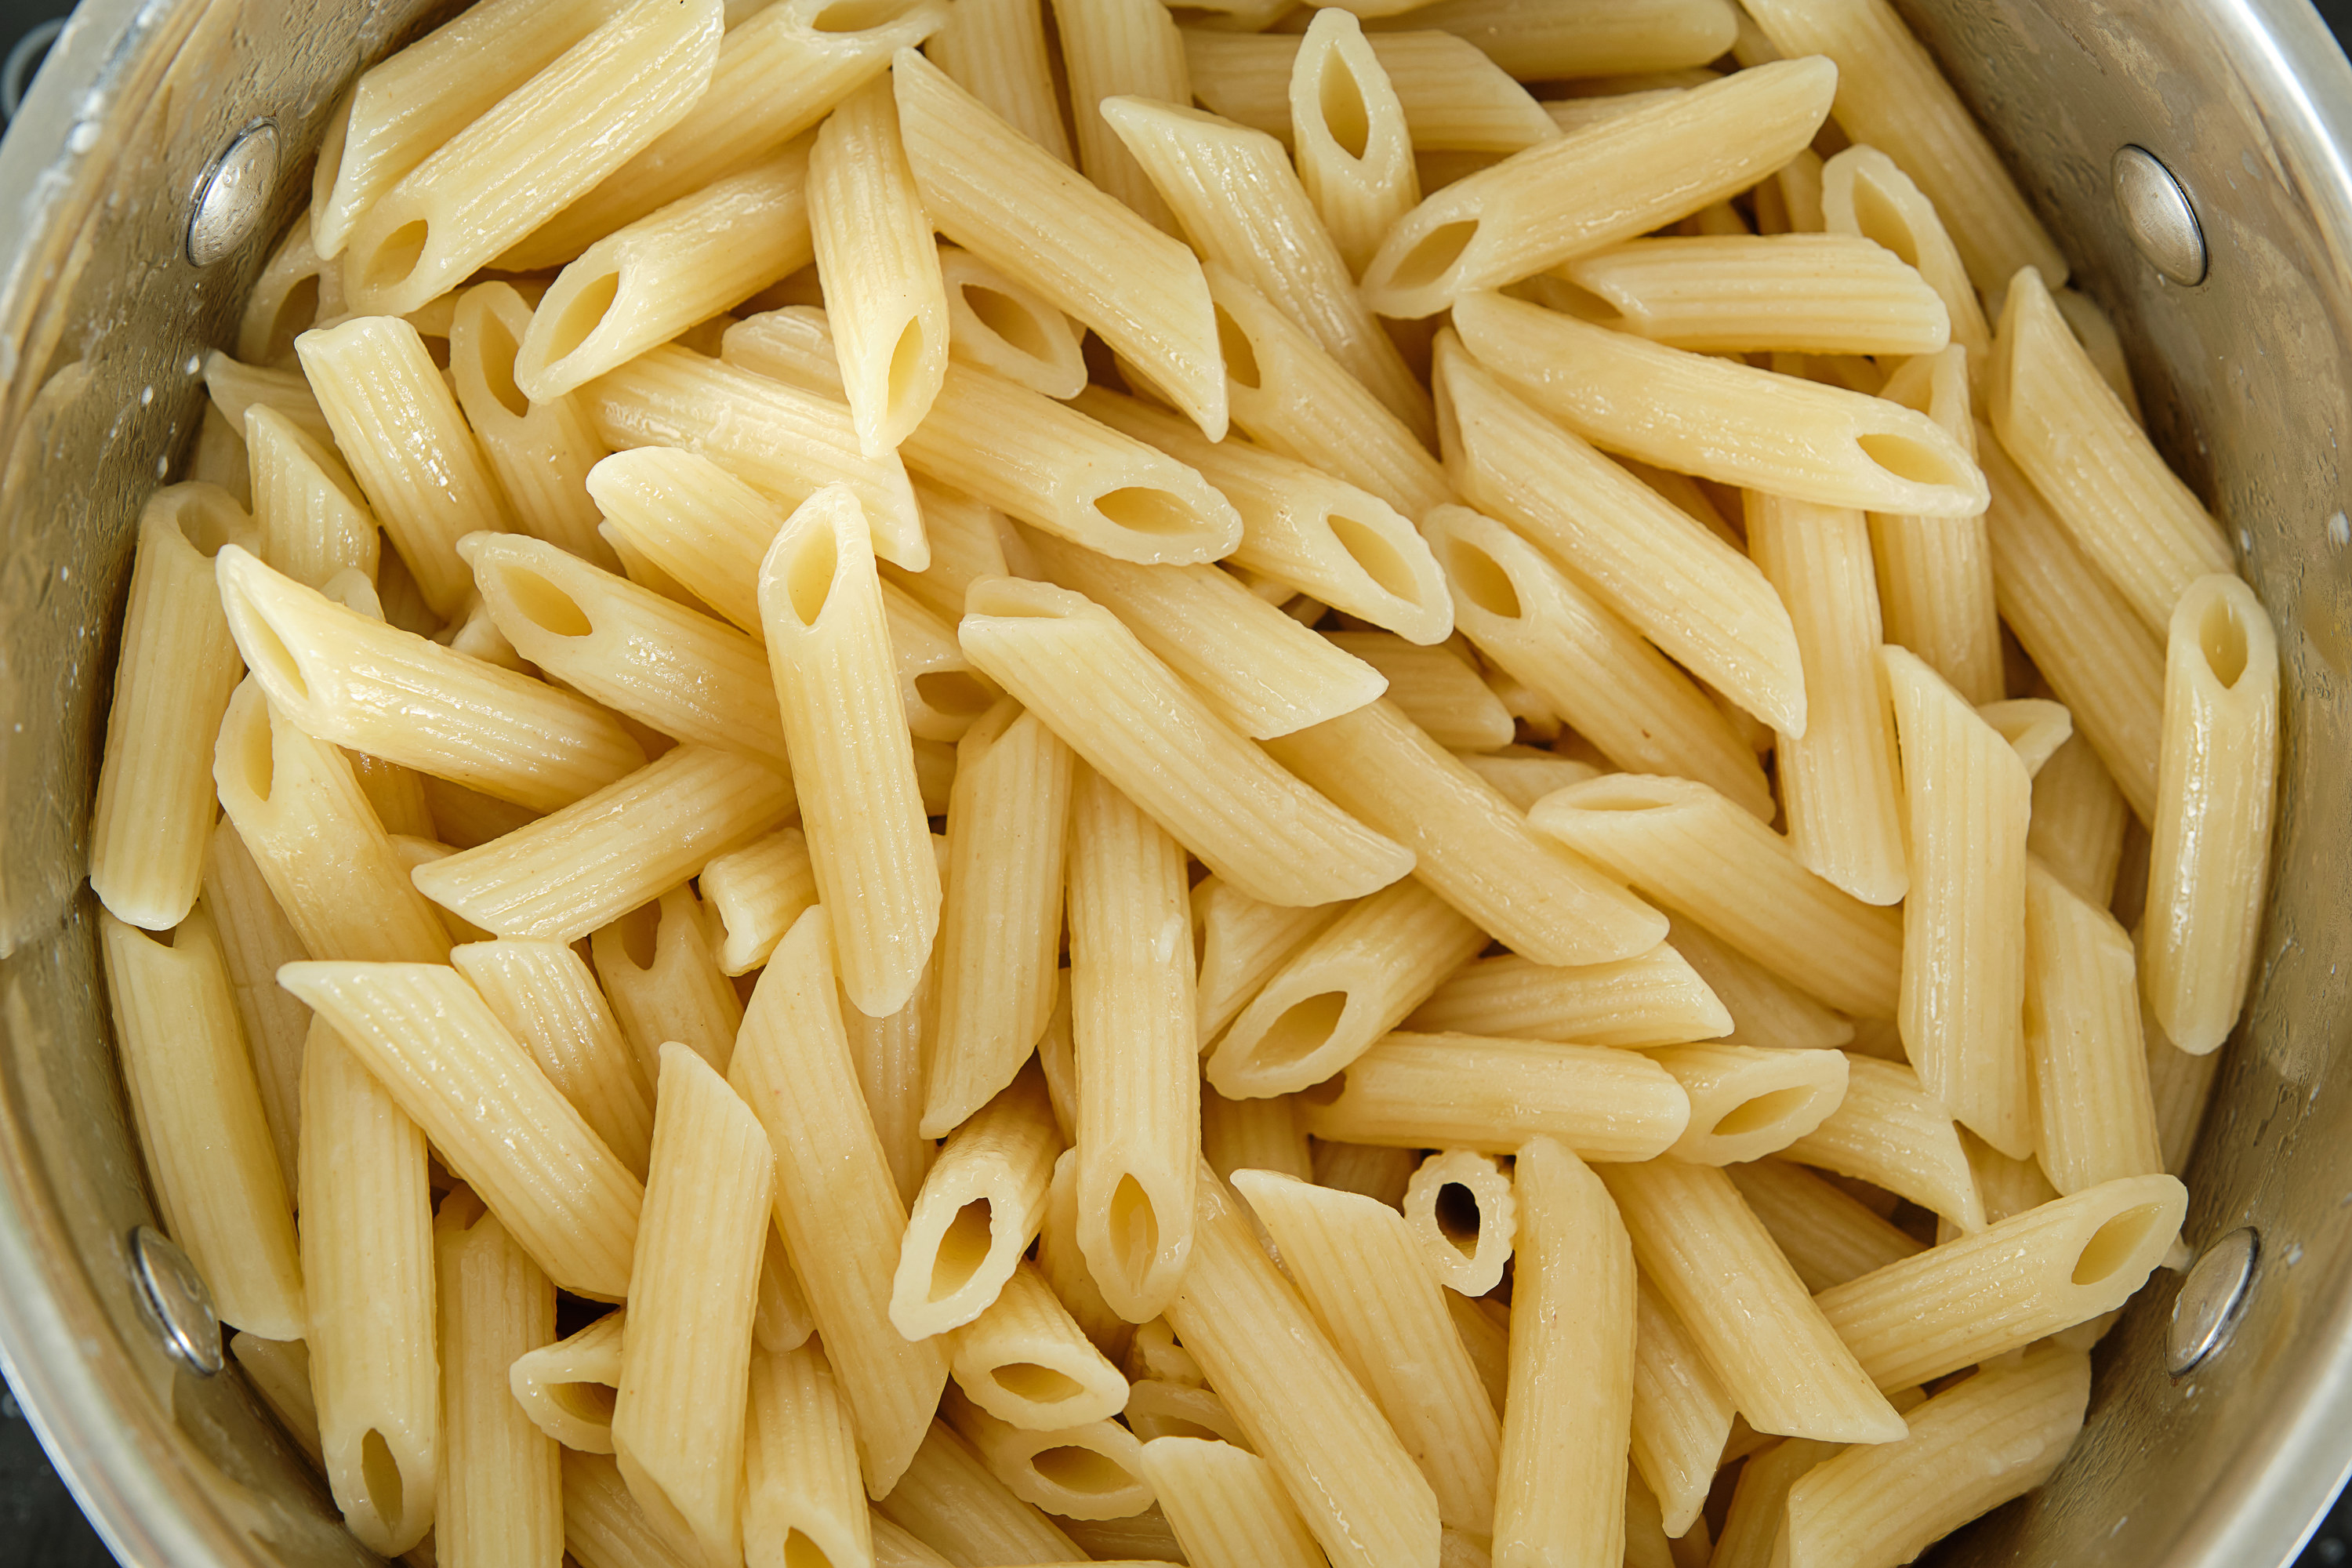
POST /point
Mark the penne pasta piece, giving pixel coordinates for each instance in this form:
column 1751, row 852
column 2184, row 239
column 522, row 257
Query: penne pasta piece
column 1252, row 1135
column 801, row 1501
column 1114, row 48
column 548, row 1000
column 942, row 694
column 1009, row 201
column 1354, row 1261
column 1000, row 326
column 1747, row 1102
column 1463, row 1091
column 758, row 893
column 2072, row 437
column 1025, row 1361
column 349, row 679
column 1268, row 833
column 219, row 457
column 996, row 51
column 845, row 722
column 566, row 1387
column 2078, row 821
column 1330, row 1446
column 693, row 521
column 1681, row 1415
column 1695, row 597
column 1227, row 1506
column 1351, row 984
column 1968, row 799
column 1350, row 137
column 1157, row 1409
column 1812, row 293
column 1934, row 574
column 256, row 937
column 949, row 1500
column 885, row 301
column 1562, row 197
column 2180, row 1084
column 312, row 520
column 2216, row 790
column 2095, row 1115
column 1461, row 1216
column 1719, row 420
column 371, row 1320
column 602, row 1525
column 1437, row 688
column 280, row 1371
column 500, row 1499
column 645, row 283
column 1569, row 1415
column 1716, row 1266
column 1584, row 663
column 895, row 1548
column 1866, row 194
column 1453, row 98
column 1765, row 1010
column 1484, row 1326
column 540, row 448
column 586, row 866
column 629, row 648
column 1826, row 1235
column 1655, row 999
column 1238, row 198
column 1700, row 854
column 1893, row 1133
column 1523, row 776
column 1470, row 845
column 176, row 673
column 1154, row 1356
column 967, row 542
column 1090, row 1471
column 835, row 1200
column 2099, row 657
column 1891, row 95
column 679, row 1418
column 1131, row 1011
column 980, row 1205
column 296, row 288
column 2048, row 1268
column 782, row 442
column 499, row 177
column 1063, row 1265
column 235, row 389
column 1548, row 42
column 659, row 967
column 1242, row 941
column 890, row 1056
column 1840, row 784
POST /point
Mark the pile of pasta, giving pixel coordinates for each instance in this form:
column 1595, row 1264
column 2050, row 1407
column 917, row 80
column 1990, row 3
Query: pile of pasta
column 1196, row 791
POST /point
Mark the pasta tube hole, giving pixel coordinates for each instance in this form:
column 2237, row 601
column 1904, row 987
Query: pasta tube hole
column 1435, row 254
column 2222, row 638
column 1482, row 580
column 254, row 757
column 1142, row 508
column 808, row 579
column 1765, row 1111
column 1456, row 1212
column 1081, row 1470
column 1302, row 1029
column 1008, row 318
column 495, row 351
column 1037, row 1384
column 954, row 693
column 1880, row 219
column 264, row 650
column 590, row 1402
column 582, row 314
column 799, row 1551
column 639, row 932
column 295, row 311
column 857, row 16
column 1907, row 458
column 1241, row 354
column 1571, row 298
column 1328, row 1092
column 2114, row 1245
column 380, row 1479
column 964, row 1247
column 1134, row 1227
column 1369, row 548
column 397, row 256
column 906, row 363
column 547, row 607
column 1339, row 99
column 1621, row 792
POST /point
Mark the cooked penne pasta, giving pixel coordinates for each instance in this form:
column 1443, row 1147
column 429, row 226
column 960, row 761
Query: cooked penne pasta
column 566, row 1387
column 1765, row 1010
column 802, row 1498
column 2216, row 791
column 1000, row 326
column 695, row 521
column 1562, row 197
column 950, row 1500
column 1242, row 941
column 540, row 448
column 602, row 1525
column 1890, row 1131
column 1157, row 1409
column 1546, row 42
column 1826, row 1235
column 296, row 287
column 996, row 51
column 1681, row 1415
column 2094, row 1117
column 1063, row 1263
column 1452, row 96
column 1522, row 774
column 1113, row 49
column 1810, row 293
column 1436, row 686
column 548, row 1000
column 1252, row 1135
column 280, row 1371
column 2079, row 817
column 1934, row 574
column 980, row 1205
column 1460, row 1212
column 1227, row 1506
column 1461, row 1092
column 1657, row 998
column 1025, row 1361
column 308, row 511
column 256, row 937
column 176, row 673
column 1089, row 1471
column 500, row 1499
column 658, row 964
column 235, row 389
column 1866, row 194
column 1746, row 1102
column 1350, row 137
column 890, row 1055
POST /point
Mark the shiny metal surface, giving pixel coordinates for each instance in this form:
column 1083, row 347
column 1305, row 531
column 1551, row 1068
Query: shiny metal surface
column 2247, row 380
column 2157, row 216
column 179, row 1303
column 234, row 195
column 2212, row 1294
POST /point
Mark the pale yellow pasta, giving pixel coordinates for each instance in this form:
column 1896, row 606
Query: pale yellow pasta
column 1825, row 1234
column 1657, row 998
column 694, row 521
column 1523, row 774
column 548, row 999
column 1890, row 1131
column 175, row 674
column 1228, row 1507
column 1461, row 1213
column 1697, row 853
column 803, row 1504
column 1436, row 686
column 645, row 283
column 1089, row 1471
column 564, row 875
column 950, row 1500
column 1350, row 137
column 895, row 1548
column 296, row 288
column 2216, row 797
column 1242, row 941
column 256, row 938
column 1158, row 1408
column 1681, row 1414
column 1112, row 48
column 758, row 893
column 1252, row 1135
column 1063, row 1265
column 1813, row 293
column 1840, row 786
column 235, row 389
column 566, row 1387
column 500, row 1500
column 1934, row 574
column 1025, row 1361
column 1779, row 1359
column 308, row 511
column 540, row 448
column 1009, row 201
column 995, row 50
column 280, row 1371
column 371, row 1324
column 1551, row 40
column 999, row 325
column 844, row 724
column 968, row 541
column 2096, row 1117
column 2180, row 1085
column 1765, row 1010
column 1748, row 1101
column 1562, row 197
column 1968, row 798
column 1453, row 96
column 658, row 966
column 1672, row 581
column 2010, row 1284
column 982, row 1204
column 1866, row 194
column 602, row 1525
column 2077, row 830
column 1466, row 1091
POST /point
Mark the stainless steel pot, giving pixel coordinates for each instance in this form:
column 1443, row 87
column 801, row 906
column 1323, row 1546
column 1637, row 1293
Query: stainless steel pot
column 115, row 188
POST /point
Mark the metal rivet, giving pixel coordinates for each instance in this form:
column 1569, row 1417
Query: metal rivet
column 2156, row 214
column 178, row 1302
column 2212, row 1294
column 235, row 193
